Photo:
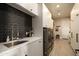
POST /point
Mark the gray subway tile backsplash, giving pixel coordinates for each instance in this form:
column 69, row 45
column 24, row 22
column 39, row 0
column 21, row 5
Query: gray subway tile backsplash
column 14, row 20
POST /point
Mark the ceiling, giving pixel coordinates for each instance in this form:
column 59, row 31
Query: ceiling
column 60, row 10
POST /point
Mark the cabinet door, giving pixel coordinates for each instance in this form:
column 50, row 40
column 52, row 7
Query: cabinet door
column 32, row 7
column 75, row 31
column 45, row 16
column 35, row 48
column 23, row 50
column 47, row 21
column 26, row 6
column 50, row 23
column 12, row 52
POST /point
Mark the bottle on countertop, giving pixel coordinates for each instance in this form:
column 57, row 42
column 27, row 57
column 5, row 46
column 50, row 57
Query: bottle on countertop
column 26, row 33
column 29, row 34
column 7, row 38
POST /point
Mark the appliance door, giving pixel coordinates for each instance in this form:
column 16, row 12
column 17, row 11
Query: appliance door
column 45, row 41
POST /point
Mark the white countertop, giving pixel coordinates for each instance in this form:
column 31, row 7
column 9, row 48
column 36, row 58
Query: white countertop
column 4, row 49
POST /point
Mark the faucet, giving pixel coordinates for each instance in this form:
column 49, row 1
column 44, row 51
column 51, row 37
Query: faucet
column 17, row 34
column 12, row 36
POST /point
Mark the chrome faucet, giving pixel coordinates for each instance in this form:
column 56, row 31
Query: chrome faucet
column 12, row 36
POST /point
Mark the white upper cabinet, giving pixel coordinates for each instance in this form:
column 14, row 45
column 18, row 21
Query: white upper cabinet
column 29, row 8
column 47, row 20
column 75, row 11
column 32, row 7
column 51, row 23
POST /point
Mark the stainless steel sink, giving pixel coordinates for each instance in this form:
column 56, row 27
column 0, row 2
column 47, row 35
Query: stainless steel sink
column 14, row 43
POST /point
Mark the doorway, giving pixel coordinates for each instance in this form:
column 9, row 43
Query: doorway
column 57, row 36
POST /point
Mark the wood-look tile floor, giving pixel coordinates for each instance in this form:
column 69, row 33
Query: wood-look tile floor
column 62, row 48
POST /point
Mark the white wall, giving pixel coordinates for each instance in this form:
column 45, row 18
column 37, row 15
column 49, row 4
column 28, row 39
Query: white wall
column 37, row 23
column 64, row 28
column 38, row 26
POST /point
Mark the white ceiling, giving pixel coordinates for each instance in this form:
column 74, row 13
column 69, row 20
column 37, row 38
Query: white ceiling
column 63, row 9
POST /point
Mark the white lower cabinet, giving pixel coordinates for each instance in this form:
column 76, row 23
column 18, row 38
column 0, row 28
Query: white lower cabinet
column 19, row 51
column 23, row 50
column 12, row 52
column 35, row 48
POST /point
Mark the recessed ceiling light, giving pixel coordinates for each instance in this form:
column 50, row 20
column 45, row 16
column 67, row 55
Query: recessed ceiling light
column 57, row 6
column 59, row 14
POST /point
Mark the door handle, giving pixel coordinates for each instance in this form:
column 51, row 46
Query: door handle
column 77, row 37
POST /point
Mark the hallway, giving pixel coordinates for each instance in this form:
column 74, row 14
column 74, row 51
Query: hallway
column 62, row 48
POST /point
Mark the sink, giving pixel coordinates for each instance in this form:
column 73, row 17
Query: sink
column 14, row 43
